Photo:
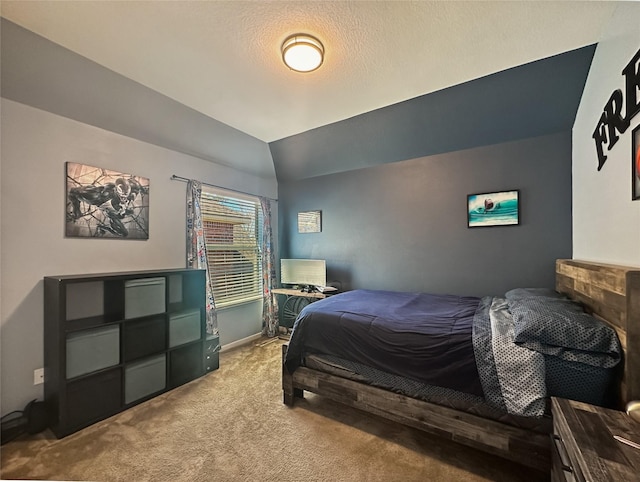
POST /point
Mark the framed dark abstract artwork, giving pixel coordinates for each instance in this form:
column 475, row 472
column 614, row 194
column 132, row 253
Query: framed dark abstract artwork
column 105, row 204
column 493, row 209
column 635, row 161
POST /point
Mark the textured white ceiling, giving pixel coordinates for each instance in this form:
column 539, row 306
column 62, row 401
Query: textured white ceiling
column 223, row 58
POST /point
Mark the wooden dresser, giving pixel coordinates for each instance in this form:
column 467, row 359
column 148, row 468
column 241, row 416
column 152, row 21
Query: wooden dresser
column 584, row 447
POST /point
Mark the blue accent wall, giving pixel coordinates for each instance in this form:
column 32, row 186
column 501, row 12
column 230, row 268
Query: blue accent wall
column 392, row 184
column 403, row 226
column 531, row 100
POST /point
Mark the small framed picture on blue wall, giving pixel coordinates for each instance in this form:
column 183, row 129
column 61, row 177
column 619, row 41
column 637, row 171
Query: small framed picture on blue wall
column 500, row 208
column 310, row 221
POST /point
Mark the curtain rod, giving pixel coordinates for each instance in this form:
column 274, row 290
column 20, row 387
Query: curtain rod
column 179, row 178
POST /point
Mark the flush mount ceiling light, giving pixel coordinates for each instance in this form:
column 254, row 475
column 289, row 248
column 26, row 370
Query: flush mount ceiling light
column 302, row 53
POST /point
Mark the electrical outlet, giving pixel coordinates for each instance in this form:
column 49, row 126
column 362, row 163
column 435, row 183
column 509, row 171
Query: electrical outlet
column 38, row 376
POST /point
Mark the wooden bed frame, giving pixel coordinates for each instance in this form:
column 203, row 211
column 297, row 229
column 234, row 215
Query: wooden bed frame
column 610, row 292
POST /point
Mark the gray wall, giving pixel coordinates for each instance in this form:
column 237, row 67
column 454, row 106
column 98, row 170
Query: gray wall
column 58, row 106
column 42, row 74
column 402, row 226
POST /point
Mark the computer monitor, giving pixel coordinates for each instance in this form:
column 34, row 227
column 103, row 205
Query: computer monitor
column 303, row 272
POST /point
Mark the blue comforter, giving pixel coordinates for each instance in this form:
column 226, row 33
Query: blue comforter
column 464, row 343
column 422, row 336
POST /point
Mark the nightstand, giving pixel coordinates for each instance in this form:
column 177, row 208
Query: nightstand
column 583, row 447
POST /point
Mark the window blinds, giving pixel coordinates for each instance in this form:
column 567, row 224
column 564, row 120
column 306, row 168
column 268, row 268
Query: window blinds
column 233, row 230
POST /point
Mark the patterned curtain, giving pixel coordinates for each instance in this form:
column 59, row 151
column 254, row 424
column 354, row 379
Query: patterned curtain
column 197, row 249
column 269, row 302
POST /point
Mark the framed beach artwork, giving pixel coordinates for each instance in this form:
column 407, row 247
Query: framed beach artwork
column 493, row 209
column 635, row 161
column 105, row 204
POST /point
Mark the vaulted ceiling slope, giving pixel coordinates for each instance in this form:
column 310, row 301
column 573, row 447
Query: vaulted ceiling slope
column 42, row 74
column 222, row 58
column 531, row 100
column 209, row 76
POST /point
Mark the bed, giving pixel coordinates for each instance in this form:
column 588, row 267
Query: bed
column 608, row 293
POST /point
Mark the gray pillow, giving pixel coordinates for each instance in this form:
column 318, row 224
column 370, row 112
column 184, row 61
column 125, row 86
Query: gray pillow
column 561, row 328
column 521, row 293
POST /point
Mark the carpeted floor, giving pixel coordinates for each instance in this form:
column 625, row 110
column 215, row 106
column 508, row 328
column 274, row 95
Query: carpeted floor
column 231, row 425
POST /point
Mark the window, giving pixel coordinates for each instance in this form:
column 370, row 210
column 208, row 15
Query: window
column 233, row 230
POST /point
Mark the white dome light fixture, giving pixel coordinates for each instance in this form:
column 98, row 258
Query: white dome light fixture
column 302, row 52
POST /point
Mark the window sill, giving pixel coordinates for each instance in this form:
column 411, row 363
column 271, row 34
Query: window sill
column 238, row 303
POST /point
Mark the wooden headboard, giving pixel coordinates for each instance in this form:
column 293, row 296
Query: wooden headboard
column 612, row 293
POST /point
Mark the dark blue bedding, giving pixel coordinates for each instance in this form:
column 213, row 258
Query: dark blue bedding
column 422, row 336
column 467, row 344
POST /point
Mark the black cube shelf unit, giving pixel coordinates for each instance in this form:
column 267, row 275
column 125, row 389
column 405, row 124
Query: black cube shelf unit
column 114, row 340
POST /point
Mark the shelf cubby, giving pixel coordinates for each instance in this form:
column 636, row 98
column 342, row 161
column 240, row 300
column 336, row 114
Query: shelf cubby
column 114, row 340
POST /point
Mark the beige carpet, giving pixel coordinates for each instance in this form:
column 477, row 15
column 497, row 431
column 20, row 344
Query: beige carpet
column 232, row 425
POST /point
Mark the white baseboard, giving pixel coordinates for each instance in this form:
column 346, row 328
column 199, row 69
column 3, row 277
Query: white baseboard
column 243, row 341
